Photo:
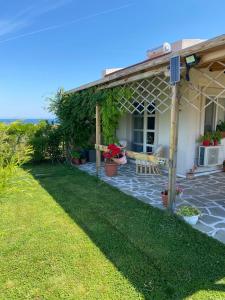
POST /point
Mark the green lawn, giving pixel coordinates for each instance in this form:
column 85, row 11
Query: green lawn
column 73, row 237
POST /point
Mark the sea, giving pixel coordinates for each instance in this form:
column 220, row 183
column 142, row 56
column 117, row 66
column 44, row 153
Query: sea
column 33, row 121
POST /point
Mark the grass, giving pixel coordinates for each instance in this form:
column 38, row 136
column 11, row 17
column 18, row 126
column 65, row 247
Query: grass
column 74, row 237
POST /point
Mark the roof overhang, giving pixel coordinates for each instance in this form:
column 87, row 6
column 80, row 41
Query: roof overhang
column 209, row 51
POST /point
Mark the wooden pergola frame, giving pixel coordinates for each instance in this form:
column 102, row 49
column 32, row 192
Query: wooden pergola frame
column 172, row 96
column 210, row 51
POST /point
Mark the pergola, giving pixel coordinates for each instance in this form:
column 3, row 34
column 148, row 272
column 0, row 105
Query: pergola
column 151, row 90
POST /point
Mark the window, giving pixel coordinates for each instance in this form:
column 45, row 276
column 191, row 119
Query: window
column 143, row 132
column 213, row 114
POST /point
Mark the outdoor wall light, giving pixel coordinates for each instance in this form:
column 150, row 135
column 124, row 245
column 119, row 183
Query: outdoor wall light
column 191, row 61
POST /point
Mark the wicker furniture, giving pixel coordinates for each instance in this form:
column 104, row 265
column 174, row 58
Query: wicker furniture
column 144, row 167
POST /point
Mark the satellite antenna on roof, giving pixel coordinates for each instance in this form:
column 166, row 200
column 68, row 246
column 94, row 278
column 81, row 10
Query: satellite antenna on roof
column 159, row 51
column 167, row 47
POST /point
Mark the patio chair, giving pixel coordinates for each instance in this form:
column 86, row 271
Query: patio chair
column 144, row 167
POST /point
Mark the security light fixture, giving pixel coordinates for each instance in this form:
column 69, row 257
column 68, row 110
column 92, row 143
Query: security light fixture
column 191, row 61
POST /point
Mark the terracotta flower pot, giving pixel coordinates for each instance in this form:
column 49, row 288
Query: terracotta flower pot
column 164, row 200
column 190, row 175
column 75, row 161
column 111, row 169
column 206, row 143
column 83, row 161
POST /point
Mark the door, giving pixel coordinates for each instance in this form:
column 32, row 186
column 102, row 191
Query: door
column 144, row 131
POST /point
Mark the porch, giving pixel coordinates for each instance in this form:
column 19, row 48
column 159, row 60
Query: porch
column 159, row 109
column 205, row 192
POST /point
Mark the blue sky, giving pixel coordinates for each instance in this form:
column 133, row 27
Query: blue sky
column 47, row 44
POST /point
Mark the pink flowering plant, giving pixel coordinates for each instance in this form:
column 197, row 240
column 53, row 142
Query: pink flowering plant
column 115, row 154
column 179, row 191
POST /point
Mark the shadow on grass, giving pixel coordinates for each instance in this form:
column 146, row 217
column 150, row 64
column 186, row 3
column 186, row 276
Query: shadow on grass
column 160, row 255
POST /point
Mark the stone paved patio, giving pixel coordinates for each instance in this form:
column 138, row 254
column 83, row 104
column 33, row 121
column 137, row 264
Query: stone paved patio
column 206, row 193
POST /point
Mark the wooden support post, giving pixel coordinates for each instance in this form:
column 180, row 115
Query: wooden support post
column 173, row 146
column 98, row 138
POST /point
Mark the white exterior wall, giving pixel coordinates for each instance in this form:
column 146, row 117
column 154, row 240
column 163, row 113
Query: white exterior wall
column 124, row 131
column 189, row 130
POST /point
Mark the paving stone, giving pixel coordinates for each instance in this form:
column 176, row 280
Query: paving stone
column 220, row 235
column 194, row 202
column 214, row 197
column 204, row 210
column 217, row 211
column 220, row 225
column 203, row 228
column 209, row 219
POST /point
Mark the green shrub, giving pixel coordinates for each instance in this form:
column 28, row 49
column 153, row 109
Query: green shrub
column 14, row 151
column 47, row 142
column 76, row 114
column 46, row 139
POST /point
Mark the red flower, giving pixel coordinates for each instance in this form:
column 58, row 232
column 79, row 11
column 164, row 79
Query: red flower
column 107, row 155
column 112, row 151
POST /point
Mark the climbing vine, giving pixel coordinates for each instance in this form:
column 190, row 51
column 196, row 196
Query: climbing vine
column 76, row 114
column 110, row 113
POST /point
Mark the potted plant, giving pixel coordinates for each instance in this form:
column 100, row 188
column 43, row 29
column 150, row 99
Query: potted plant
column 75, row 155
column 191, row 173
column 113, row 158
column 83, row 158
column 221, row 127
column 164, row 195
column 217, row 136
column 205, row 139
column 189, row 214
column 224, row 166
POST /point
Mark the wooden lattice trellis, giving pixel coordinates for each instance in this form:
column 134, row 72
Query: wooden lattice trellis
column 154, row 93
column 151, row 94
column 211, row 77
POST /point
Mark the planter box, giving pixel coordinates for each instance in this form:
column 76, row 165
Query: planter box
column 191, row 220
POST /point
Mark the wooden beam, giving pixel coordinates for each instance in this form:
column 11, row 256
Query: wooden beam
column 139, row 156
column 98, row 138
column 173, row 147
column 213, row 56
column 135, row 78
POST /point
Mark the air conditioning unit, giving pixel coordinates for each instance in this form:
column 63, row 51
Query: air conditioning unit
column 210, row 156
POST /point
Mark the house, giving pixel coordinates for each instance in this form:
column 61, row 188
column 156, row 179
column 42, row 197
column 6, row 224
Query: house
column 151, row 118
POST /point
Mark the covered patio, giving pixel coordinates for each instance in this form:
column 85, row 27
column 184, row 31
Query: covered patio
column 182, row 108
column 186, row 108
column 204, row 192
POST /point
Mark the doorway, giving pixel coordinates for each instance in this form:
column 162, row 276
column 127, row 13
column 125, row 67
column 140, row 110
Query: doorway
column 144, row 131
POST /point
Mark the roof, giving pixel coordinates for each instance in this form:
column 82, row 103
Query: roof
column 206, row 47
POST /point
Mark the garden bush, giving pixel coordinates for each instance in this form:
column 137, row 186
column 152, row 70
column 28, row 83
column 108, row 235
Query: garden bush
column 76, row 115
column 14, row 151
column 45, row 139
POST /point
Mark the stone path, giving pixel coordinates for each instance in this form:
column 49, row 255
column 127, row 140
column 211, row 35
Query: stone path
column 205, row 192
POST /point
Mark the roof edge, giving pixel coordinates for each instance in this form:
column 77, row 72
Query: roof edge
column 145, row 65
